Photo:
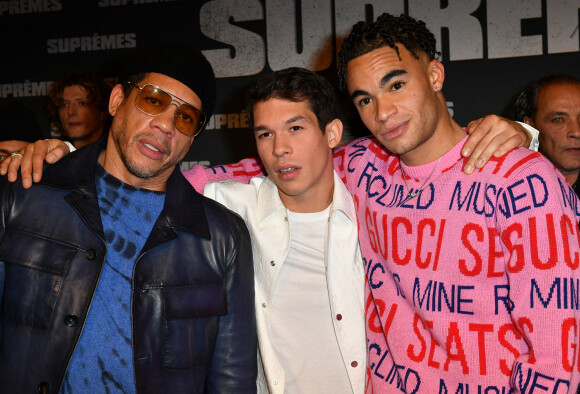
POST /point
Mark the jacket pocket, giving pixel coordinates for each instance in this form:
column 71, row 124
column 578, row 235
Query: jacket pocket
column 191, row 323
column 33, row 277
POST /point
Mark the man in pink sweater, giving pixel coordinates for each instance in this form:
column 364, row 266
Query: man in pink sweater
column 472, row 280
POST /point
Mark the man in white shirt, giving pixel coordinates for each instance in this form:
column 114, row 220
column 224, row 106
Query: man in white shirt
column 308, row 270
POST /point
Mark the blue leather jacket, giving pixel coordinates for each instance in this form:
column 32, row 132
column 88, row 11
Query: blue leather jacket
column 192, row 309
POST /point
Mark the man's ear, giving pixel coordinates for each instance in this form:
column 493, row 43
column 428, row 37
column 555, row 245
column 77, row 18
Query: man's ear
column 333, row 132
column 436, row 72
column 528, row 120
column 117, row 97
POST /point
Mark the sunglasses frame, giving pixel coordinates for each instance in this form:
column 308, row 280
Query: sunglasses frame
column 178, row 104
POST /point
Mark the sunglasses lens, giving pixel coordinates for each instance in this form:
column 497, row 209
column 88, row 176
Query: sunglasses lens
column 153, row 101
column 189, row 119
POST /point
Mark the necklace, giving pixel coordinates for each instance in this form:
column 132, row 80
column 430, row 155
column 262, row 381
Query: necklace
column 413, row 194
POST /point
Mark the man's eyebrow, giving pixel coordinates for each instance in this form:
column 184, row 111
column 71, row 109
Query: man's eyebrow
column 390, row 75
column 296, row 119
column 293, row 119
column 552, row 114
column 260, row 128
column 384, row 80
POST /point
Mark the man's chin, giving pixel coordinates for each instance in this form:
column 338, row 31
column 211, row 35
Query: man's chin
column 143, row 172
column 148, row 171
column 394, row 148
column 76, row 135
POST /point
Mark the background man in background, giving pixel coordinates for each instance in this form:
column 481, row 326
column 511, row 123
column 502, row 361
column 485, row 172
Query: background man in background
column 552, row 105
column 18, row 128
column 308, row 268
column 78, row 107
column 461, row 269
column 119, row 276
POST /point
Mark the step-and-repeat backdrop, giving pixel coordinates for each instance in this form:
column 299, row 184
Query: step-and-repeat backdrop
column 490, row 48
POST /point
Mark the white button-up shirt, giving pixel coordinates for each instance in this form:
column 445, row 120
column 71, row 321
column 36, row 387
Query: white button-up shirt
column 266, row 216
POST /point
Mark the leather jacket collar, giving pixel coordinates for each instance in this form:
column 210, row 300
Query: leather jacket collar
column 182, row 211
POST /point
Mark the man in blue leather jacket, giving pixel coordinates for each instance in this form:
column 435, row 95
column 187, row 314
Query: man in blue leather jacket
column 115, row 274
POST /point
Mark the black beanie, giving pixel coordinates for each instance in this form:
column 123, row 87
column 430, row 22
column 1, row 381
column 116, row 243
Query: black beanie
column 182, row 62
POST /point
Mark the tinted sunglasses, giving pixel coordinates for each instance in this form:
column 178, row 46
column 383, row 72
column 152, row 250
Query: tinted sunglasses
column 153, row 101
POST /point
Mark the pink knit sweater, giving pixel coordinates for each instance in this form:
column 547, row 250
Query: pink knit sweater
column 473, row 286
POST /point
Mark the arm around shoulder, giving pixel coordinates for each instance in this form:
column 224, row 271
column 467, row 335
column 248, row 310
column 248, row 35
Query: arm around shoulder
column 31, row 160
column 242, row 171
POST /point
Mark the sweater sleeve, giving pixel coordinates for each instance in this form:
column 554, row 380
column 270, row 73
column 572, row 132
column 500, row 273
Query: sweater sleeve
column 241, row 171
column 537, row 221
column 246, row 169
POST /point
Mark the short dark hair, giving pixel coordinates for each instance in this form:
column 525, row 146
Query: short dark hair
column 131, row 81
column 387, row 30
column 98, row 92
column 526, row 102
column 297, row 85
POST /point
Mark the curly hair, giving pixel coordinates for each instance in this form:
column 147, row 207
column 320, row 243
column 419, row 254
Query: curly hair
column 526, row 102
column 98, row 92
column 297, row 85
column 387, row 30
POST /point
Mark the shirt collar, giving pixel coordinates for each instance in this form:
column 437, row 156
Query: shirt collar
column 270, row 206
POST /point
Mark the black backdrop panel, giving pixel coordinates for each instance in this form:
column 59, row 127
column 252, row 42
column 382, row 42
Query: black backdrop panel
column 490, row 48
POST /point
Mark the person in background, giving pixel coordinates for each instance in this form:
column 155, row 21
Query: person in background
column 18, row 128
column 552, row 105
column 77, row 107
